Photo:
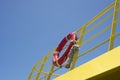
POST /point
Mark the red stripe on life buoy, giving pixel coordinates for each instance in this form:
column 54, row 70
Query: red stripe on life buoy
column 59, row 61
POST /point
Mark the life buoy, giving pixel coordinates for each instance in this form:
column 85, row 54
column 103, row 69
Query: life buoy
column 58, row 61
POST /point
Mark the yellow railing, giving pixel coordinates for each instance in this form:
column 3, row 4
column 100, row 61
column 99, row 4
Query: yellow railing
column 44, row 70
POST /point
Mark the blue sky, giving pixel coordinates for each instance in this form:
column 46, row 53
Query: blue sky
column 31, row 28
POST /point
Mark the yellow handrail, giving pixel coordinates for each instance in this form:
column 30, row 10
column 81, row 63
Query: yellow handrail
column 39, row 69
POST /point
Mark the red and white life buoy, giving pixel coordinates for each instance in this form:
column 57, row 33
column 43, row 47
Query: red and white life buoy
column 58, row 61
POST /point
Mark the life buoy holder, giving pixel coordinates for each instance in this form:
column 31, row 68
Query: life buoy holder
column 57, row 60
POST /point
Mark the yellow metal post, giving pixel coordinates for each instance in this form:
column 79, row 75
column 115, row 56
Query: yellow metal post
column 79, row 43
column 29, row 77
column 114, row 22
column 41, row 67
column 50, row 73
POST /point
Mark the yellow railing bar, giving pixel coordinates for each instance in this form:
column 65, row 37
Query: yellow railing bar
column 81, row 36
column 38, row 62
column 96, row 35
column 33, row 76
column 103, row 20
column 93, row 48
column 51, row 52
column 50, row 73
column 46, row 73
column 34, row 69
column 47, row 67
column 118, row 34
column 114, row 22
column 42, row 78
column 41, row 68
column 45, row 55
column 30, row 75
column 96, row 17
